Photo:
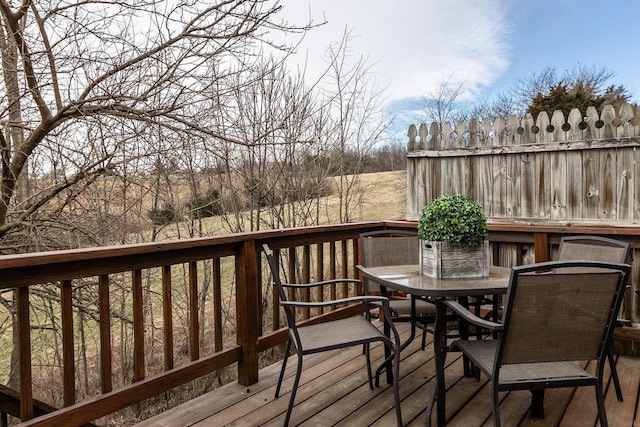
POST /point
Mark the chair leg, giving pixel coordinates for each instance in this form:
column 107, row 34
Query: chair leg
column 296, row 381
column 412, row 319
column 369, row 374
column 384, row 366
column 495, row 403
column 537, row 404
column 431, row 399
column 411, row 336
column 413, row 316
column 495, row 313
column 477, row 310
column 396, row 387
column 424, row 340
column 602, row 415
column 284, row 366
column 614, row 374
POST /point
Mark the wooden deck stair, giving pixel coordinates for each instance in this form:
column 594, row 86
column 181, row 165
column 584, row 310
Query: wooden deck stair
column 334, row 391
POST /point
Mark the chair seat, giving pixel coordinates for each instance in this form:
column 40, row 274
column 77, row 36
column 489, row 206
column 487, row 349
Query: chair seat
column 483, row 352
column 338, row 334
column 402, row 307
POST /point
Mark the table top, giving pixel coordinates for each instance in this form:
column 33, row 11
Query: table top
column 409, row 279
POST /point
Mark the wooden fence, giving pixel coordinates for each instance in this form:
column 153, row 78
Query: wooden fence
column 578, row 167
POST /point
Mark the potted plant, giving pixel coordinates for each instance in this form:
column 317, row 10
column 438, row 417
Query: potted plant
column 453, row 232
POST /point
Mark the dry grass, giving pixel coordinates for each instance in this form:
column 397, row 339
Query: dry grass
column 382, row 195
column 385, row 195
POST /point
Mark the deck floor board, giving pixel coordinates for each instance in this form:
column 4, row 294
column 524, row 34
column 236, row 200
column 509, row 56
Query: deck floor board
column 334, row 392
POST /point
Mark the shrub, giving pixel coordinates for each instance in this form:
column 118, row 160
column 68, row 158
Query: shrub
column 205, row 206
column 453, row 219
column 163, row 216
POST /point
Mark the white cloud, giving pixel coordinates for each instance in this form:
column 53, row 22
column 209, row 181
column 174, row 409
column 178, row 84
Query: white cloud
column 412, row 45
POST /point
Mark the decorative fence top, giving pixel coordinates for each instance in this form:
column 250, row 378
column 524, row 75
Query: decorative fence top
column 606, row 126
column 578, row 168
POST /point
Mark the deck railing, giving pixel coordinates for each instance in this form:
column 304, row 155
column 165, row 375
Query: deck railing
column 226, row 265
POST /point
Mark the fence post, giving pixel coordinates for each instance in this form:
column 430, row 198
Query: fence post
column 247, row 318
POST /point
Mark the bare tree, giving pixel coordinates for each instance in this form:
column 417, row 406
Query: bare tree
column 93, row 75
column 321, row 134
column 94, row 93
column 355, row 123
column 444, row 104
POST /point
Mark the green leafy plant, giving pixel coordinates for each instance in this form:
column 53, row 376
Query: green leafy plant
column 453, row 219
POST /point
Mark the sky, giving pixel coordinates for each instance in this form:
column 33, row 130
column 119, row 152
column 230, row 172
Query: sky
column 413, row 46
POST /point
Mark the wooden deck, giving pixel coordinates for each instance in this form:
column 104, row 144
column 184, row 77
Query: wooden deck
column 334, row 391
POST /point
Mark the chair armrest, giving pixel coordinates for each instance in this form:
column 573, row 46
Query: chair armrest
column 367, row 299
column 321, row 283
column 472, row 318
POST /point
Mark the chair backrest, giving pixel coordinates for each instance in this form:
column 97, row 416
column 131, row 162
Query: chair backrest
column 593, row 248
column 273, row 266
column 560, row 311
column 388, row 247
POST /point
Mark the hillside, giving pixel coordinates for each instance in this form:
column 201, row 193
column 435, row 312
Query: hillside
column 381, row 195
column 385, row 195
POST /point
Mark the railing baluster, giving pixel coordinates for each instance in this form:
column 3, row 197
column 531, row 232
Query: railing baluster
column 167, row 317
column 275, row 300
column 291, row 272
column 332, row 270
column 105, row 334
column 138, row 327
column 24, row 350
column 306, row 278
column 320, row 272
column 217, row 304
column 194, row 324
column 68, row 351
column 345, row 268
column 355, row 257
column 260, row 290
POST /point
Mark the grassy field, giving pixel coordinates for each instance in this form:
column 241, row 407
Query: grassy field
column 385, row 195
column 382, row 195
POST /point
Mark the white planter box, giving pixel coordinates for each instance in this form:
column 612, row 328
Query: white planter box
column 453, row 261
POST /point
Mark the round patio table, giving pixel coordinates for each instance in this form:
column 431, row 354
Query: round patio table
column 409, row 279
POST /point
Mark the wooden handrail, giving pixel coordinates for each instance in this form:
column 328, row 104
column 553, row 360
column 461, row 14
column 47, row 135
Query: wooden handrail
column 312, row 253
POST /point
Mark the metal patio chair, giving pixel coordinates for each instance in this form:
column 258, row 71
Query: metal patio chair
column 596, row 248
column 397, row 247
column 335, row 334
column 556, row 313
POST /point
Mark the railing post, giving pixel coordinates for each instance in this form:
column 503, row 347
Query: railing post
column 247, row 319
column 541, row 247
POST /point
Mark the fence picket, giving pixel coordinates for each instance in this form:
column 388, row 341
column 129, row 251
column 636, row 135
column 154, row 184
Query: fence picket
column 582, row 166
